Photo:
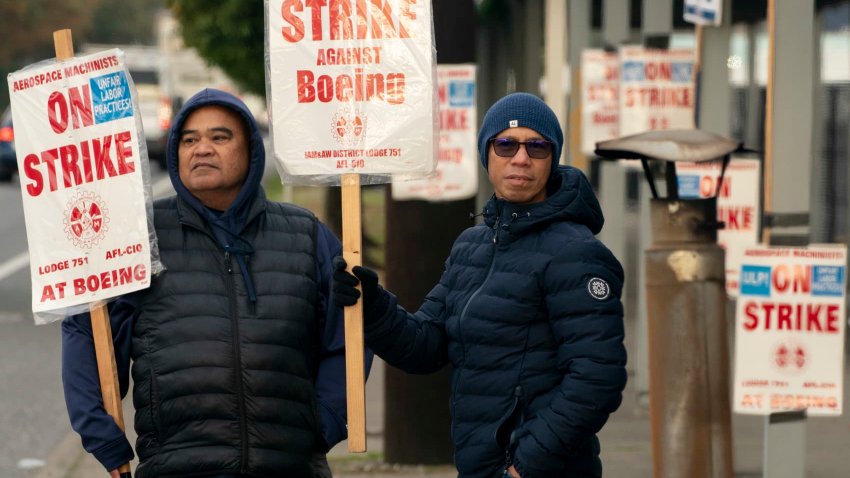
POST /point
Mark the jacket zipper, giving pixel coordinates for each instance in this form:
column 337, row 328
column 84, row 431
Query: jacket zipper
column 468, row 301
column 237, row 354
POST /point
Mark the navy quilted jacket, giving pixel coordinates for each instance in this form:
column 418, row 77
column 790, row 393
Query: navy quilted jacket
column 528, row 312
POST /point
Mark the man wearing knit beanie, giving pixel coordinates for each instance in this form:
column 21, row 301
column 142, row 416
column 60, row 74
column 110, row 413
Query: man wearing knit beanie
column 521, row 110
column 519, row 144
column 527, row 311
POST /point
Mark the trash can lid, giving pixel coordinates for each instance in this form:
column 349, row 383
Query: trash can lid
column 669, row 145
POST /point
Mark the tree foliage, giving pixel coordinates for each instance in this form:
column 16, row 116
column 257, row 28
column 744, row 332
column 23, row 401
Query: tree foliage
column 125, row 21
column 230, row 36
column 28, row 27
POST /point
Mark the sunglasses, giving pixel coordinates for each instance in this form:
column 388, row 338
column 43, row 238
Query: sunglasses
column 508, row 147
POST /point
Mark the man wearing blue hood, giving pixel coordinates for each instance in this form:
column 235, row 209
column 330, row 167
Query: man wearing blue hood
column 527, row 311
column 237, row 348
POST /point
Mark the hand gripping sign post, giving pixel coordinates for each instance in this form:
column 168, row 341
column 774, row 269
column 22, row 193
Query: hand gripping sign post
column 84, row 182
column 351, row 92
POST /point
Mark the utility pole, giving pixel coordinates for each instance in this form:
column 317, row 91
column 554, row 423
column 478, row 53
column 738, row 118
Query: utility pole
column 419, row 237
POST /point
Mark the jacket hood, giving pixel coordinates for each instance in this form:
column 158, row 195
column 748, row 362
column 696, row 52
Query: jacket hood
column 212, row 97
column 569, row 198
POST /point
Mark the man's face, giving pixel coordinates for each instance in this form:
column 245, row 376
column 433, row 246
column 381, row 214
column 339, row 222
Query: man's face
column 519, row 179
column 213, row 155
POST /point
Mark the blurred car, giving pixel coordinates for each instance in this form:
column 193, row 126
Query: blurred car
column 8, row 160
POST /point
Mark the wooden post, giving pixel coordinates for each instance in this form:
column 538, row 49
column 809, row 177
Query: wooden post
column 355, row 379
column 107, row 370
column 769, row 105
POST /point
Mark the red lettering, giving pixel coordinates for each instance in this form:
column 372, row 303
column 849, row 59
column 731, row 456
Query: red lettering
column 34, row 188
column 124, row 151
column 95, row 156
column 783, row 320
column 69, row 156
column 340, row 20
column 371, row 19
column 815, row 318
column 316, row 16
column 726, row 187
column 768, row 309
column 57, row 112
column 751, row 321
column 294, row 32
column 832, row 318
column 802, row 278
column 79, row 286
column 139, row 272
column 324, row 89
column 47, row 293
column 81, row 107
column 102, row 159
column 365, row 87
column 49, row 159
column 306, row 92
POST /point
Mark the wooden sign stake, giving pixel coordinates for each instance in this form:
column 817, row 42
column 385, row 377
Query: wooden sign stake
column 107, row 370
column 355, row 379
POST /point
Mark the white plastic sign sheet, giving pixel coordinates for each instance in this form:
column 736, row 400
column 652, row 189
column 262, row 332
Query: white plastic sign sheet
column 351, row 89
column 704, row 12
column 656, row 89
column 456, row 176
column 789, row 338
column 738, row 205
column 81, row 174
column 600, row 107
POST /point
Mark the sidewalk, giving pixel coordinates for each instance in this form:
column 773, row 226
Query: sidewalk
column 626, row 445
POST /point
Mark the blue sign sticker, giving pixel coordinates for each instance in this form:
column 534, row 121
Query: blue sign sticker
column 633, row 71
column 681, row 71
column 461, row 93
column 689, row 186
column 111, row 97
column 828, row 280
column 755, row 280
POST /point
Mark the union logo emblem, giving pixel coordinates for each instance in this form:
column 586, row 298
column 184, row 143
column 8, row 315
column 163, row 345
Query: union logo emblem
column 348, row 127
column 86, row 219
column 790, row 357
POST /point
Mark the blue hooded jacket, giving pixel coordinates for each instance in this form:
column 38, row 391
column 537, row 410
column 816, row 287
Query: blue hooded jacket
column 100, row 435
column 528, row 313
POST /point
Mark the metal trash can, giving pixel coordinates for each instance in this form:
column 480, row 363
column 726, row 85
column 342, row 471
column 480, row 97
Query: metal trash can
column 689, row 387
column 689, row 400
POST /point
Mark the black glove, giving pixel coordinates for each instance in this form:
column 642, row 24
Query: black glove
column 344, row 284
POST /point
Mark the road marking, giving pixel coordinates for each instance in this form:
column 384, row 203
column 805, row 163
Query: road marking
column 11, row 317
column 14, row 264
column 30, row 463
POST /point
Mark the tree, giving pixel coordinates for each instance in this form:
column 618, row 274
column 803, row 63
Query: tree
column 28, row 30
column 28, row 27
column 229, row 35
column 125, row 21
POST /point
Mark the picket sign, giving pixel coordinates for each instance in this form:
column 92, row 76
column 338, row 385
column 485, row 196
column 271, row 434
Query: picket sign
column 351, row 94
column 107, row 370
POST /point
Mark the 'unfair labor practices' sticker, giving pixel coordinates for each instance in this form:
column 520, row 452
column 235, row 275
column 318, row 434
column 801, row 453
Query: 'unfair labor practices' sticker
column 111, row 97
column 828, row 280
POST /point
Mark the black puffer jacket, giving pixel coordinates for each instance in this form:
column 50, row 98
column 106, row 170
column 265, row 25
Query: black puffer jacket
column 221, row 384
column 528, row 313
